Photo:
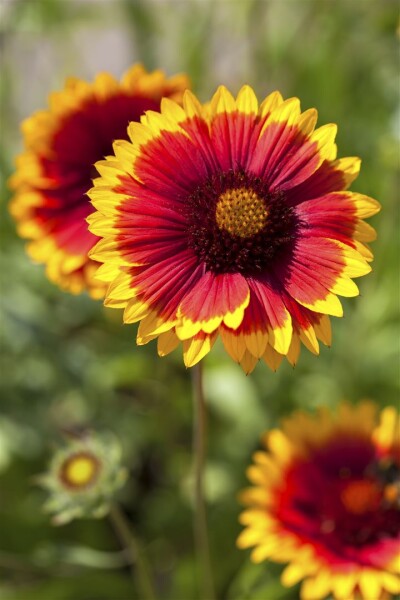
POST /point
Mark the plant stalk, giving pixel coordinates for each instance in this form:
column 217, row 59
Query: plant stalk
column 139, row 567
column 200, row 516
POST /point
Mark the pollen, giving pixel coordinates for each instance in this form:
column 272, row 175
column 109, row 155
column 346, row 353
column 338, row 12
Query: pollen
column 79, row 470
column 241, row 212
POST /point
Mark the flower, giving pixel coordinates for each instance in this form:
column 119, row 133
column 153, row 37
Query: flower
column 326, row 500
column 83, row 478
column 231, row 219
column 56, row 168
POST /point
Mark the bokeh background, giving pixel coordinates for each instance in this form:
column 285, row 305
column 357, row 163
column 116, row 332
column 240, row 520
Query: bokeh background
column 66, row 362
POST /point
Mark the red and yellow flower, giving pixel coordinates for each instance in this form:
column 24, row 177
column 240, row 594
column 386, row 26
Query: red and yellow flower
column 326, row 500
column 56, row 168
column 232, row 219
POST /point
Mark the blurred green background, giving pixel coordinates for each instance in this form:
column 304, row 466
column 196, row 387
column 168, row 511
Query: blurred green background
column 67, row 362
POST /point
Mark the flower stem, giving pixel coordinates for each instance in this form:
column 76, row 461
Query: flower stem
column 200, row 517
column 139, row 566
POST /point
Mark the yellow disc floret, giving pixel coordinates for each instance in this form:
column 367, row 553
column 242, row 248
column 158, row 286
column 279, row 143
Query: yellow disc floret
column 241, row 212
column 80, row 470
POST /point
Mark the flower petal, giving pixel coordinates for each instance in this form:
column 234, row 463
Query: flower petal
column 213, row 300
column 277, row 315
column 197, row 347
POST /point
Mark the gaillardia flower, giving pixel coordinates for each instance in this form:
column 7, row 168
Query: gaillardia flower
column 83, row 478
column 230, row 218
column 56, row 168
column 326, row 500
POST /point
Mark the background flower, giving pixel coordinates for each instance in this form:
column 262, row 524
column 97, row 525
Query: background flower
column 326, row 500
column 56, row 169
column 83, row 478
column 233, row 220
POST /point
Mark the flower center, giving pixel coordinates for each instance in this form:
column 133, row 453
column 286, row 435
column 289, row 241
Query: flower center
column 241, row 212
column 235, row 224
column 355, row 505
column 80, row 470
column 361, row 496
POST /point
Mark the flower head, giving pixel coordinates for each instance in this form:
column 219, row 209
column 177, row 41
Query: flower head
column 83, row 478
column 326, row 500
column 56, row 168
column 231, row 219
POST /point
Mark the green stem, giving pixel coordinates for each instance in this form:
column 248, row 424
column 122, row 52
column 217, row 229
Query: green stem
column 200, row 517
column 139, row 566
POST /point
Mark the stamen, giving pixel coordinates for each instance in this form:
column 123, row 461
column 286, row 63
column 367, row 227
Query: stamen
column 241, row 212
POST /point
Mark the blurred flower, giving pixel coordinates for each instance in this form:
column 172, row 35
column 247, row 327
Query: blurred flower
column 326, row 501
column 230, row 218
column 83, row 478
column 56, row 168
